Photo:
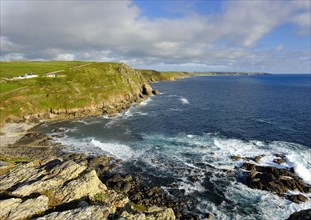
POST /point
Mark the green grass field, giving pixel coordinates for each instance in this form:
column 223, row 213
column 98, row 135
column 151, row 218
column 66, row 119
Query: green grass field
column 12, row 69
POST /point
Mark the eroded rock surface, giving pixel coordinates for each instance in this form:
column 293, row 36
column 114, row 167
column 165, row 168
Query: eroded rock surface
column 16, row 208
column 67, row 188
column 91, row 212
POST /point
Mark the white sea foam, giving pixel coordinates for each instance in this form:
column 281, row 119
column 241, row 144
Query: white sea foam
column 120, row 151
column 186, row 155
column 145, row 102
column 189, row 187
column 300, row 166
column 184, row 101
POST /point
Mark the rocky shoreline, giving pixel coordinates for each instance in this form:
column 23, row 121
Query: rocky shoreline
column 50, row 184
column 39, row 181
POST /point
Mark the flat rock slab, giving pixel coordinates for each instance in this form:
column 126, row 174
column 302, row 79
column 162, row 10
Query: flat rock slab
column 54, row 179
column 91, row 212
column 16, row 208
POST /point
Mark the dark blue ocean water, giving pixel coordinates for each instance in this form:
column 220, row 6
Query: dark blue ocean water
column 194, row 127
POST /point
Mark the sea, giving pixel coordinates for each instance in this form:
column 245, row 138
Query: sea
column 194, row 127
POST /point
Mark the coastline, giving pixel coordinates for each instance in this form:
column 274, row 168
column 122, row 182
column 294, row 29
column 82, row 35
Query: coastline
column 120, row 182
column 24, row 150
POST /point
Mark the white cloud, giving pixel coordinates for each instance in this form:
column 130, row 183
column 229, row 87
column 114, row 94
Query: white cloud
column 116, row 30
column 279, row 48
column 13, row 57
column 65, row 57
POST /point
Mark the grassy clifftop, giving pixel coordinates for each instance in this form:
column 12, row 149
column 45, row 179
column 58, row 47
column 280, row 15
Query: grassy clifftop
column 95, row 86
column 74, row 89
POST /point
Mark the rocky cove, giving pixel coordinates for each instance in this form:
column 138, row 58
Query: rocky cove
column 40, row 181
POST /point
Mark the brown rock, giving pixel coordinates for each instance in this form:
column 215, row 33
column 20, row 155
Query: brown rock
column 235, row 157
column 279, row 161
column 297, row 198
column 155, row 92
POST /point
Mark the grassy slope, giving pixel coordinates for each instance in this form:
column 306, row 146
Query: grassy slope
column 84, row 86
column 152, row 75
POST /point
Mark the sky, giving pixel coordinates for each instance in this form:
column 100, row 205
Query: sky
column 210, row 35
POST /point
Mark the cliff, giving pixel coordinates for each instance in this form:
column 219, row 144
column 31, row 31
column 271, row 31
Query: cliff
column 90, row 89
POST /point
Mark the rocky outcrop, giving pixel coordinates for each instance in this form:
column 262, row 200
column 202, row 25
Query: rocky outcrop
column 91, row 212
column 146, row 89
column 155, row 92
column 68, row 187
column 151, row 214
column 86, row 186
column 276, row 180
column 16, row 208
column 52, row 180
column 301, row 215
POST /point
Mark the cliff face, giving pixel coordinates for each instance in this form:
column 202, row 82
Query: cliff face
column 95, row 89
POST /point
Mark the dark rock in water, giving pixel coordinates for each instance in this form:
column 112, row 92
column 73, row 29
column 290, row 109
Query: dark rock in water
column 155, row 92
column 297, row 198
column 194, row 178
column 280, row 156
column 116, row 178
column 154, row 161
column 258, row 158
column 301, row 215
column 127, row 178
column 57, row 130
column 235, row 157
column 275, row 180
column 57, row 135
column 248, row 166
column 126, row 187
column 279, row 161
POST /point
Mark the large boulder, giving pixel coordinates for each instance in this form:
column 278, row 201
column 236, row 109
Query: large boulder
column 87, row 185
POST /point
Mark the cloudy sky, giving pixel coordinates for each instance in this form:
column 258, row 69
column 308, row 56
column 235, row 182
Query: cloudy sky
column 249, row 35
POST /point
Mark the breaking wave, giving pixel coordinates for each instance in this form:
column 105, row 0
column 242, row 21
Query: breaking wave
column 184, row 101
